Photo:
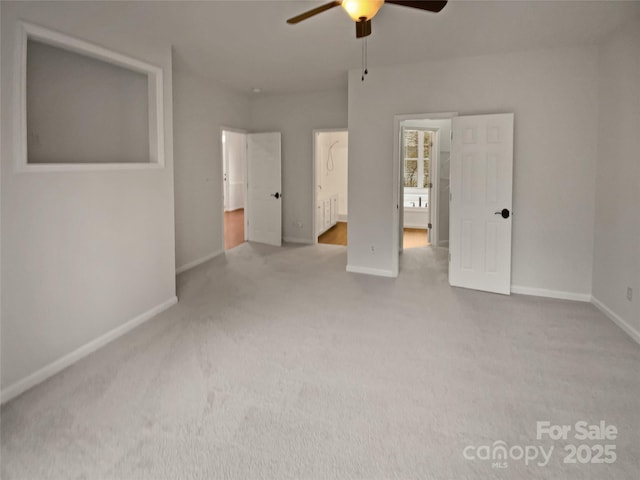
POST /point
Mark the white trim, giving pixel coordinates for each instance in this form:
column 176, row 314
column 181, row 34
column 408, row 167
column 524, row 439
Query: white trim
column 371, row 271
column 617, row 319
column 434, row 191
column 417, row 226
column 343, row 218
column 304, row 241
column 195, row 263
column 57, row 366
column 543, row 292
column 444, row 244
column 155, row 101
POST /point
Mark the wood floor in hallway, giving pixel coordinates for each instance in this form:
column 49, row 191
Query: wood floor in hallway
column 415, row 238
column 337, row 235
column 233, row 228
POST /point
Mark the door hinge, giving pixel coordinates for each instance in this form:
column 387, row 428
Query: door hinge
column 450, row 196
column 429, row 226
column 449, row 257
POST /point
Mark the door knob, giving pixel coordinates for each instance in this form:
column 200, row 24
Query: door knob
column 504, row 212
column 277, row 195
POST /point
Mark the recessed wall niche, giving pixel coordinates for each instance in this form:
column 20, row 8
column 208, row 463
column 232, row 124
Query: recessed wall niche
column 86, row 107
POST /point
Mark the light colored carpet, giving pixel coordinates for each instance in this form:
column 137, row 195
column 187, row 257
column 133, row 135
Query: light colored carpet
column 278, row 364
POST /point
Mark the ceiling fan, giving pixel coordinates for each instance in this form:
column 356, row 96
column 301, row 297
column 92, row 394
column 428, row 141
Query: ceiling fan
column 362, row 11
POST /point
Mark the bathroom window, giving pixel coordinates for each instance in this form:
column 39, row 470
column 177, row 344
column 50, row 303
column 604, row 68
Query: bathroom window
column 417, row 153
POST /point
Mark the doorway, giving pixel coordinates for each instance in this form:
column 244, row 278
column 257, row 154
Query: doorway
column 436, row 126
column 234, row 172
column 419, row 154
column 424, row 167
column 331, row 148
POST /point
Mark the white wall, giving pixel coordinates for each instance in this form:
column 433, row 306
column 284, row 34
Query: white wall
column 553, row 94
column 80, row 109
column 332, row 173
column 83, row 253
column 296, row 116
column 201, row 109
column 617, row 217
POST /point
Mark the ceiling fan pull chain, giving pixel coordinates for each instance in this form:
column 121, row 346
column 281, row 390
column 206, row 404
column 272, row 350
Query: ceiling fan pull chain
column 365, row 71
column 366, row 56
column 362, row 61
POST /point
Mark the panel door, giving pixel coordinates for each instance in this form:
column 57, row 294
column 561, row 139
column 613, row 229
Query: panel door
column 264, row 188
column 481, row 202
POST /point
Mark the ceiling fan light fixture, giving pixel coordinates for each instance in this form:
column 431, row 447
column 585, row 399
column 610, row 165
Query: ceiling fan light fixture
column 362, row 10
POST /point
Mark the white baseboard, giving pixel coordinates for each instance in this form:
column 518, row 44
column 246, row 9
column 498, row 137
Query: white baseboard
column 444, row 243
column 305, row 241
column 50, row 370
column 197, row 262
column 416, row 226
column 371, row 271
column 342, row 218
column 617, row 319
column 542, row 292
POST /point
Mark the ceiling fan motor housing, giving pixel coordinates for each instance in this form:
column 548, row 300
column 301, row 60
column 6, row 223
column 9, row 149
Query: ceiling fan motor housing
column 363, row 28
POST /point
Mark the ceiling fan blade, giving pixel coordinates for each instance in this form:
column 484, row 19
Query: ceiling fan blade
column 314, row 11
column 429, row 5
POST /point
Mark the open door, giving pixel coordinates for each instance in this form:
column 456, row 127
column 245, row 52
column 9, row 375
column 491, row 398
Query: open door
column 481, row 202
column 264, row 204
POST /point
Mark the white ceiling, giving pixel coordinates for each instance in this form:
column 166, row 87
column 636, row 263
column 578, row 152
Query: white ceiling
column 245, row 44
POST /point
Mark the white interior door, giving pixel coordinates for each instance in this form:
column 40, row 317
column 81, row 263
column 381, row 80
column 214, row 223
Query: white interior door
column 264, row 209
column 481, row 202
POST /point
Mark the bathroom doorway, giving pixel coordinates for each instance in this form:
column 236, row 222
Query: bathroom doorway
column 424, row 152
column 331, row 148
column 419, row 153
column 234, row 170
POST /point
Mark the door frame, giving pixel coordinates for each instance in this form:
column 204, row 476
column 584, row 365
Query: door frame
column 314, row 178
column 398, row 193
column 221, row 169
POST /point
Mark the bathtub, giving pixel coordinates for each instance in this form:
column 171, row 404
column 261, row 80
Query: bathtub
column 416, row 216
